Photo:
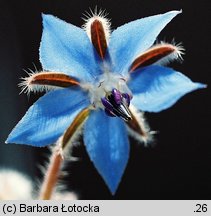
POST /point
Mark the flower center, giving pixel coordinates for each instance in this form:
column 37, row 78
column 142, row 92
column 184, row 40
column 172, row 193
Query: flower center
column 111, row 94
column 116, row 104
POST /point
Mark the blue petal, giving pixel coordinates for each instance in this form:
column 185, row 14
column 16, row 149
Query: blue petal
column 131, row 39
column 156, row 88
column 47, row 119
column 107, row 145
column 67, row 48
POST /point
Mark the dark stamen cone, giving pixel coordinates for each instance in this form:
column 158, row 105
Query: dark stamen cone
column 98, row 38
column 77, row 122
column 53, row 79
column 116, row 105
column 152, row 55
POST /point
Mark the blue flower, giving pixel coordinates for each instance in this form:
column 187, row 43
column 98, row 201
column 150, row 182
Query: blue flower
column 99, row 80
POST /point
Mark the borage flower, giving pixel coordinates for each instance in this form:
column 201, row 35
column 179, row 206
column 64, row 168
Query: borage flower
column 100, row 80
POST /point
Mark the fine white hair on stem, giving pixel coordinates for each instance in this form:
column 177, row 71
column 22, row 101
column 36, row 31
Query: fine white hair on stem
column 27, row 86
column 177, row 54
column 100, row 15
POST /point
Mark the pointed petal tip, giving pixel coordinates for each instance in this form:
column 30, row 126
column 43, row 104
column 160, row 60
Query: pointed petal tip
column 113, row 186
column 9, row 140
column 197, row 85
column 163, row 83
column 48, row 19
column 176, row 11
column 113, row 190
column 173, row 13
column 201, row 85
column 12, row 140
column 15, row 140
column 44, row 16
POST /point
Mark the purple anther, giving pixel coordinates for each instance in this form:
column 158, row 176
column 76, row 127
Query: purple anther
column 117, row 96
column 109, row 113
column 127, row 98
column 107, row 104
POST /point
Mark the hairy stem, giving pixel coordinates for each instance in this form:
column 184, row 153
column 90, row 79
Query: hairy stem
column 51, row 176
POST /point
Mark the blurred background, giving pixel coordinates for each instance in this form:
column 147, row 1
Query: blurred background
column 178, row 166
